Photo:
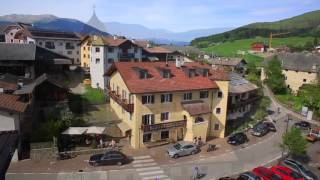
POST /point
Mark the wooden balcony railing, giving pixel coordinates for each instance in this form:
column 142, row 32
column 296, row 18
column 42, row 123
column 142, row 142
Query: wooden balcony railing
column 156, row 127
column 122, row 102
column 243, row 102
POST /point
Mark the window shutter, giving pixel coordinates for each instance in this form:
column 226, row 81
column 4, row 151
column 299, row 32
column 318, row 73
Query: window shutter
column 144, row 99
column 152, row 118
column 162, row 98
column 170, row 97
column 152, row 99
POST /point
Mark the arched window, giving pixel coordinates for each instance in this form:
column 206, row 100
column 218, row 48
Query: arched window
column 199, row 120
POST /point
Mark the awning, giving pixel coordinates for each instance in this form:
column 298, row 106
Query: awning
column 95, row 130
column 124, row 127
column 196, row 107
column 75, row 131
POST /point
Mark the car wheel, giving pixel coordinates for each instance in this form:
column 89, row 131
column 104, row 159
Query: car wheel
column 119, row 163
column 95, row 164
column 193, row 152
column 175, row 156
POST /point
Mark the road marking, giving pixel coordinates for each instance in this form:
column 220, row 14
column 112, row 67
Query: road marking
column 151, row 173
column 141, row 157
column 154, row 177
column 148, row 168
column 144, row 165
column 143, row 161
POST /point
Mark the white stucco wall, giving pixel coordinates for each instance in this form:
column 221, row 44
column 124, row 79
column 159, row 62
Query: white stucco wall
column 9, row 121
column 97, row 70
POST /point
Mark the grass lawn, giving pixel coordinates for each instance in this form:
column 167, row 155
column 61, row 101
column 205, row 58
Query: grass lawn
column 229, row 49
column 94, row 95
column 294, row 102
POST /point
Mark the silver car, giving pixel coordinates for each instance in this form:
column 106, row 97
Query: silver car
column 296, row 166
column 182, row 149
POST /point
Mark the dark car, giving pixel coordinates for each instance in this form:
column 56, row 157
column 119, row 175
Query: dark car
column 260, row 129
column 227, row 178
column 271, row 126
column 238, row 138
column 109, row 158
column 302, row 125
column 265, row 173
column 299, row 168
column 248, row 176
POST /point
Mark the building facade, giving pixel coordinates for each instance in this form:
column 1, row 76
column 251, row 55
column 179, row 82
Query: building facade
column 242, row 96
column 85, row 55
column 107, row 50
column 298, row 69
column 161, row 102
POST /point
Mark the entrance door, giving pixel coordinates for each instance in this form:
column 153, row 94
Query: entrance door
column 180, row 134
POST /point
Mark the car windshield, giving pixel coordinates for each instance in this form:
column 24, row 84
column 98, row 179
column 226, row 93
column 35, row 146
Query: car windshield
column 259, row 127
column 177, row 146
column 302, row 168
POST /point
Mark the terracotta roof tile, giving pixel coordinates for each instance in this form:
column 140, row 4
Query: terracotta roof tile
column 156, row 83
column 157, row 49
column 12, row 103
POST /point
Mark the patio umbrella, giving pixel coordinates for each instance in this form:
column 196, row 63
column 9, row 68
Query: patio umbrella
column 75, row 131
column 95, row 130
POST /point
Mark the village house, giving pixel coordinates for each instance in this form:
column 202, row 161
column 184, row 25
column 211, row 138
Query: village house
column 64, row 43
column 230, row 64
column 85, row 49
column 242, row 96
column 159, row 102
column 298, row 69
column 258, row 47
column 105, row 51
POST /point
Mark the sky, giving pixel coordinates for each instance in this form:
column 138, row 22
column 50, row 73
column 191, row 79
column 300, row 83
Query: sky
column 173, row 15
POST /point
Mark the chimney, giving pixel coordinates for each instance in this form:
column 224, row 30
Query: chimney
column 115, row 37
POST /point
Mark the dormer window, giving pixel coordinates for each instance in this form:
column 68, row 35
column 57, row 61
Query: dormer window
column 166, row 73
column 191, row 72
column 205, row 72
column 143, row 74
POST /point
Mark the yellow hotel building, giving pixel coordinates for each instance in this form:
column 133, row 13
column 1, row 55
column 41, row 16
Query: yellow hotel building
column 161, row 102
column 85, row 51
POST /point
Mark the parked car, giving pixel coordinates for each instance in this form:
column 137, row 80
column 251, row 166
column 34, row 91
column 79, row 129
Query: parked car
column 270, row 125
column 296, row 166
column 302, row 125
column 286, row 173
column 238, row 138
column 248, row 176
column 260, row 129
column 227, row 178
column 265, row 173
column 109, row 158
column 182, row 149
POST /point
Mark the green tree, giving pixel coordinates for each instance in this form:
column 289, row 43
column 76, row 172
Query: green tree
column 315, row 41
column 310, row 95
column 294, row 142
column 275, row 78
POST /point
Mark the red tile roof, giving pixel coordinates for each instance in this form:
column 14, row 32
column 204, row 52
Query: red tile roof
column 11, row 103
column 157, row 49
column 142, row 43
column 156, row 83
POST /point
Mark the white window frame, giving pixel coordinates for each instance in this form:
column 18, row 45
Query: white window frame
column 186, row 96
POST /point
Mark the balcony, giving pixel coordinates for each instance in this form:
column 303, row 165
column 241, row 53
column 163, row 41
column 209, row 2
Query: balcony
column 122, row 102
column 156, row 127
column 243, row 102
column 126, row 55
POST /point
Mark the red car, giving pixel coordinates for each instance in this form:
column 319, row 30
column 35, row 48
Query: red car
column 266, row 174
column 286, row 173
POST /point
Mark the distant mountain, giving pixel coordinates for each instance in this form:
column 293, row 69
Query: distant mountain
column 307, row 24
column 53, row 23
column 159, row 35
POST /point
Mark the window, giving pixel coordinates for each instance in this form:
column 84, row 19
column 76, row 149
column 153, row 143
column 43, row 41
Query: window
column 84, row 55
column 11, row 34
column 77, row 52
column 78, row 60
column 135, row 49
column 61, row 44
column 110, row 60
column 97, row 60
column 218, row 110
column 147, row 137
column 164, row 116
column 288, row 86
column 164, row 135
column 49, row 45
column 216, row 127
column 69, row 52
column 187, row 96
column 84, row 48
column 110, row 49
column 97, row 49
column 148, row 99
column 166, row 73
column 204, row 94
column 40, row 43
column 12, row 40
column 285, row 78
column 143, row 74
column 124, row 94
column 199, row 120
column 219, row 94
column 88, row 55
column 205, row 72
column 166, row 98
column 148, row 119
column 69, row 46
column 304, row 80
column 191, row 72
